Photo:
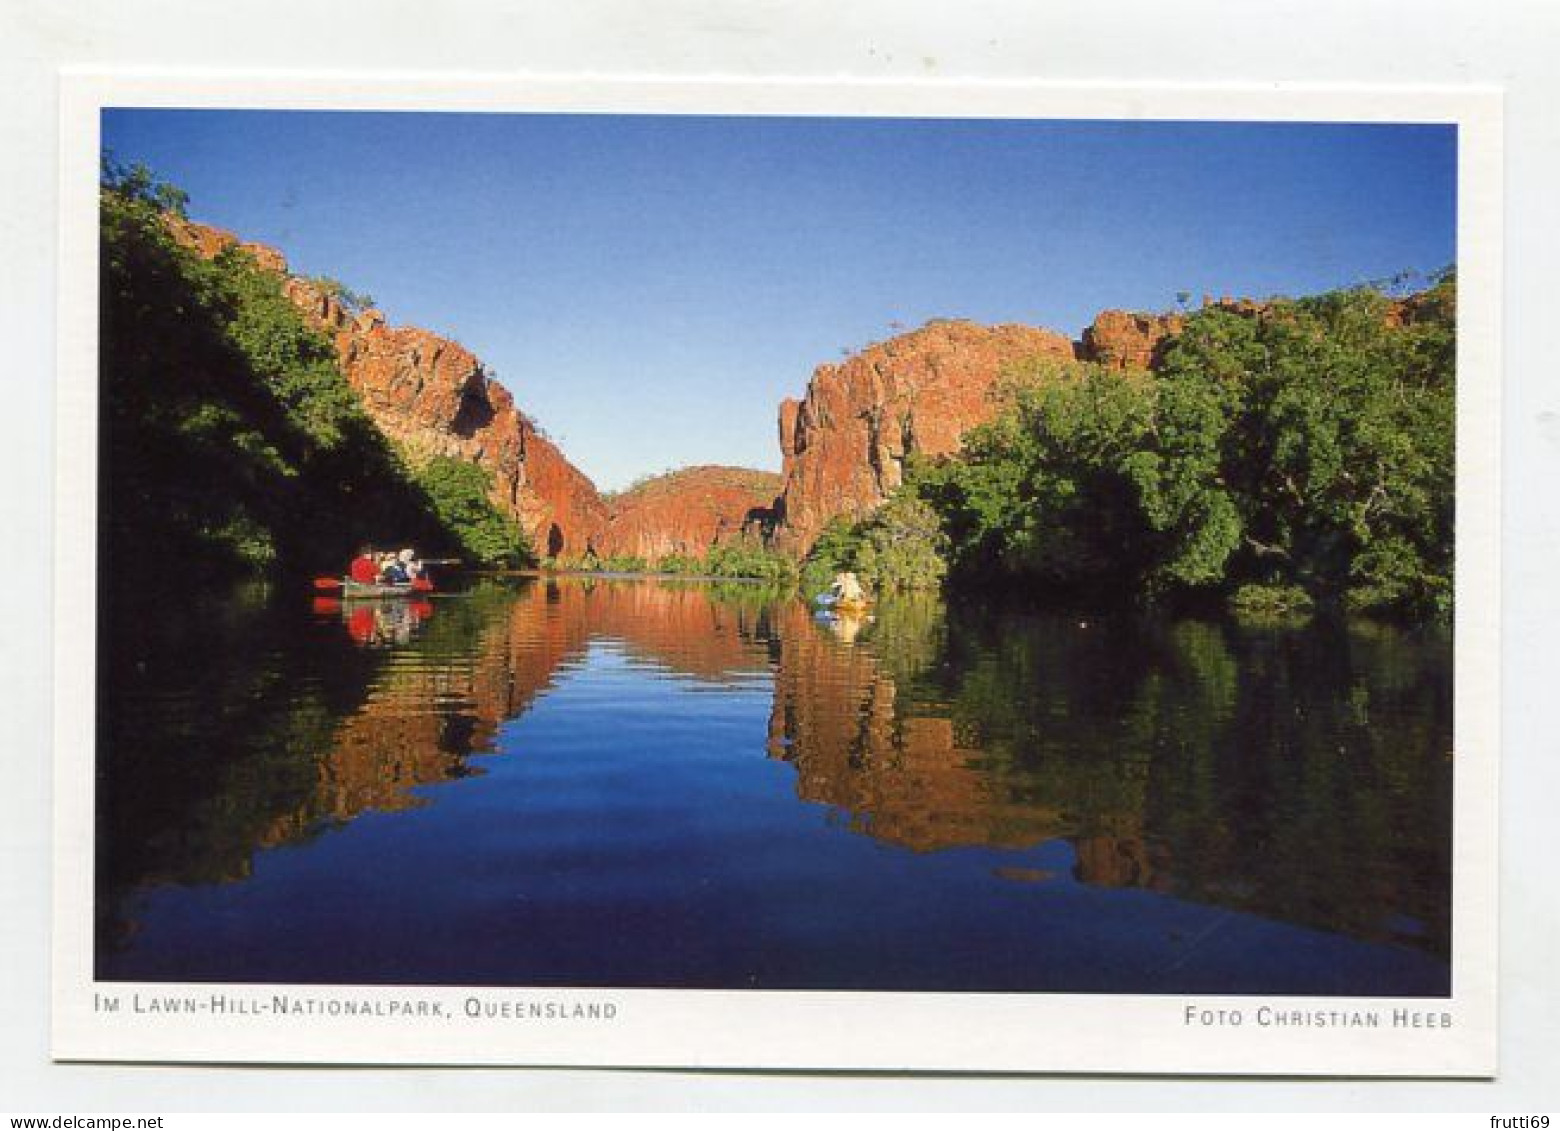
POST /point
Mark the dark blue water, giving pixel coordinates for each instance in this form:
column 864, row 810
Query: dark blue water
column 641, row 783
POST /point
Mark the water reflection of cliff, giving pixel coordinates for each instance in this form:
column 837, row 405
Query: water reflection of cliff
column 902, row 770
column 485, row 659
column 1303, row 775
column 228, row 728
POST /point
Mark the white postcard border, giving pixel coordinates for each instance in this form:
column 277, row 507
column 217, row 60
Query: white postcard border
column 788, row 1029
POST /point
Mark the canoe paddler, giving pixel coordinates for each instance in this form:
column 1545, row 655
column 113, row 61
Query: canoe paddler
column 364, row 568
column 390, row 571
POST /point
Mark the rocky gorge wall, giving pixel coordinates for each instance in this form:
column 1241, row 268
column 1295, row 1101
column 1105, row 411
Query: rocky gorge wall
column 434, row 397
column 845, row 443
column 686, row 512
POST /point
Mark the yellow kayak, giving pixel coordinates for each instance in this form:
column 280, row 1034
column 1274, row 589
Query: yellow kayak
column 831, row 604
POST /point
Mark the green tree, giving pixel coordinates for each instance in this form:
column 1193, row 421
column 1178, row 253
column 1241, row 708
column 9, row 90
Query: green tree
column 835, row 551
column 459, row 493
column 1298, row 451
column 1333, row 421
column 1048, row 491
column 903, row 546
column 230, row 441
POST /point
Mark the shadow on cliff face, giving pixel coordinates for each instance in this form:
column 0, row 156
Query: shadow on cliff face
column 475, row 414
column 230, row 443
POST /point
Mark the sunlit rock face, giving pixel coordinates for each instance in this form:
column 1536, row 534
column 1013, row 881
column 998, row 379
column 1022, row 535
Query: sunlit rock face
column 1126, row 339
column 688, row 512
column 434, row 397
column 844, row 444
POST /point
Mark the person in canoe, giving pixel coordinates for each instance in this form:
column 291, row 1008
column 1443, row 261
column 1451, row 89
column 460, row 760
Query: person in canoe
column 391, row 572
column 410, row 564
column 365, row 567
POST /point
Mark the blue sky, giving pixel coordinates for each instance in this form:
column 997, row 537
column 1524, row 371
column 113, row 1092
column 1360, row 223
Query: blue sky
column 651, row 287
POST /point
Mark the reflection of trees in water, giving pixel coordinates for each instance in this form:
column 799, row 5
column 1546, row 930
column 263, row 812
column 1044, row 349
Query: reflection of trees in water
column 1301, row 774
column 848, row 717
column 1327, row 796
column 230, row 726
column 205, row 735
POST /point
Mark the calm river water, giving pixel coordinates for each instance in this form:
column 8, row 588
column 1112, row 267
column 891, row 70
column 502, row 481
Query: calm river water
column 650, row 783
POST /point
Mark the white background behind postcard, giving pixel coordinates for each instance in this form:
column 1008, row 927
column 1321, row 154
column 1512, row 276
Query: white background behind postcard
column 1444, row 43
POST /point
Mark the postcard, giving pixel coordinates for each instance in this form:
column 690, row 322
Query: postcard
column 903, row 576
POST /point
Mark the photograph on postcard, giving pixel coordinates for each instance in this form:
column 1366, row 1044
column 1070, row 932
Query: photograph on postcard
column 672, row 551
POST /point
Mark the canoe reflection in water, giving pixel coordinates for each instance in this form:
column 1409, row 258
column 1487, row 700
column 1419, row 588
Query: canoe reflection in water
column 378, row 623
column 633, row 782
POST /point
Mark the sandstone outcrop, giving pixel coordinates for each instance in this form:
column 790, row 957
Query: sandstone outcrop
column 844, row 444
column 686, row 512
column 433, row 397
column 1125, row 339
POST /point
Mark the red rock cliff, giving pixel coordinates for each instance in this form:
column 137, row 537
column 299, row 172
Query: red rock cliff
column 688, row 511
column 432, row 396
column 1125, row 339
column 844, row 444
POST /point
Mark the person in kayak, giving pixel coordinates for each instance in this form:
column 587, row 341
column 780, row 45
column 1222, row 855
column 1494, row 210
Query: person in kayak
column 847, row 589
column 364, row 568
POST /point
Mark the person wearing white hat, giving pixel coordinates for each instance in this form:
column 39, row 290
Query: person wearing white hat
column 409, row 564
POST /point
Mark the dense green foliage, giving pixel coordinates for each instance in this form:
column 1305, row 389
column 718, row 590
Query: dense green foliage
column 231, row 442
column 836, row 550
column 1335, row 452
column 459, row 495
column 1046, row 491
column 900, row 546
column 1260, row 602
column 1296, row 454
column 746, row 558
